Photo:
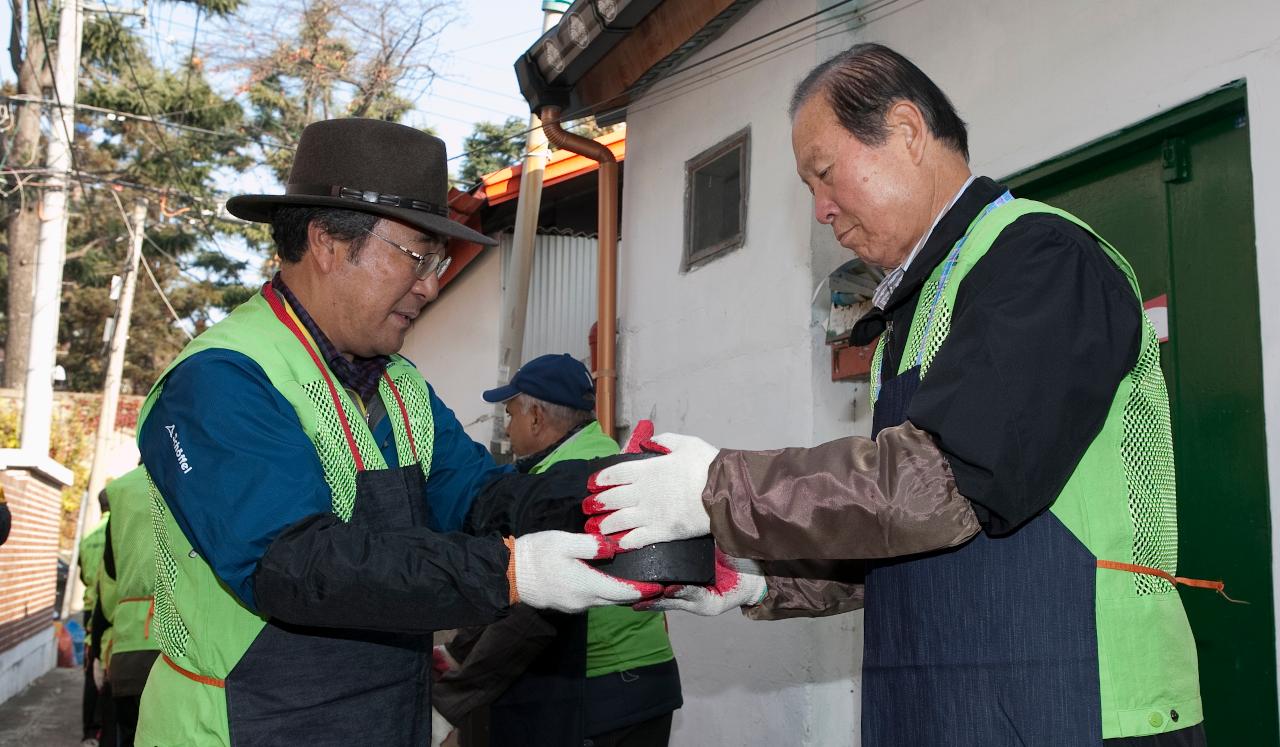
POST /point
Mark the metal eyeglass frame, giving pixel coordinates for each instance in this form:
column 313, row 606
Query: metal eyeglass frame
column 427, row 264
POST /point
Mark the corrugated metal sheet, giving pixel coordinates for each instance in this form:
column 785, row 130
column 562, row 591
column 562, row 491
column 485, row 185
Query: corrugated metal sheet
column 562, row 295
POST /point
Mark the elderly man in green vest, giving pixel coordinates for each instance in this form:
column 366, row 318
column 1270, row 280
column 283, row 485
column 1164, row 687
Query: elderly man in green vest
column 549, row 679
column 126, row 580
column 309, row 487
column 1013, row 514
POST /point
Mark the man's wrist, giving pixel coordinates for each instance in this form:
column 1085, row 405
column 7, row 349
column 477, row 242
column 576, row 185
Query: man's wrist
column 513, row 595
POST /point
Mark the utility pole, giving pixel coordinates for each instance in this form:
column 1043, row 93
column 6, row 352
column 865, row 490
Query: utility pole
column 51, row 250
column 90, row 512
column 515, row 294
column 37, row 408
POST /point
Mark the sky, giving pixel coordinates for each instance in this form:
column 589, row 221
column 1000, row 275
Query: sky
column 474, row 82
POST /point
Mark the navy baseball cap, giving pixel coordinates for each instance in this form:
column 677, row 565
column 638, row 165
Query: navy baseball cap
column 557, row 378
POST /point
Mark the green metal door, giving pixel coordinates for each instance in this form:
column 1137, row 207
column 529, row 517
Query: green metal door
column 1174, row 195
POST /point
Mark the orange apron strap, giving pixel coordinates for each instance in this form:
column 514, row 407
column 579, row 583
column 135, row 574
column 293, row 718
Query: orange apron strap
column 151, row 611
column 212, row 682
column 1218, row 586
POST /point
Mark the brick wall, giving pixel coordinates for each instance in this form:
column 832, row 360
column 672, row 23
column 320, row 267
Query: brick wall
column 29, row 560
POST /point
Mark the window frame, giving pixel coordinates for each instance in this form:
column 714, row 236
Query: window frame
column 692, row 258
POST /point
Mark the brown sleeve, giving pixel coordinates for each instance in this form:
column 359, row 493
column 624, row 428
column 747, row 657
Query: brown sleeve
column 813, row 588
column 853, row 498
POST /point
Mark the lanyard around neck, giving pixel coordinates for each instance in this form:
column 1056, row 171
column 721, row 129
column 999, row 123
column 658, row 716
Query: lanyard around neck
column 283, row 313
column 948, row 265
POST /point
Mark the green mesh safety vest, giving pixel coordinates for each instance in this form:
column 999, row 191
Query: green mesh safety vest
column 92, row 546
column 202, row 628
column 106, row 594
column 1120, row 503
column 618, row 638
column 129, row 608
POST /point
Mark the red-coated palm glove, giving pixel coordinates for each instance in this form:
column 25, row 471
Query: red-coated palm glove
column 739, row 583
column 652, row 500
column 641, row 442
column 549, row 573
column 442, row 662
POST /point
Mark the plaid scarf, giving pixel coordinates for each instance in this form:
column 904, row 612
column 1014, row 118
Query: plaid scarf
column 360, row 375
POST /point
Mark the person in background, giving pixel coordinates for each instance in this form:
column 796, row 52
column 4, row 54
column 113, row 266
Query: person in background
column 92, row 546
column 126, row 579
column 552, row 679
column 6, row 519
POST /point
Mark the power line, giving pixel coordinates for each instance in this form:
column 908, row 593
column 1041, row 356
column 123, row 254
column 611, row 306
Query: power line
column 154, row 281
column 493, row 41
column 503, row 112
column 575, row 115
column 110, row 180
column 465, row 83
column 692, row 85
column 162, row 142
column 258, row 140
column 57, row 96
column 683, row 87
column 156, row 284
column 191, row 58
column 472, row 122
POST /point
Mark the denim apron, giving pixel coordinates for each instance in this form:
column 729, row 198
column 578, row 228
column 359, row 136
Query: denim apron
column 546, row 706
column 329, row 686
column 990, row 644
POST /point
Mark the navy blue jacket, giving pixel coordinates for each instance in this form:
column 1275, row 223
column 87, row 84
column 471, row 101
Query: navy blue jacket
column 260, row 473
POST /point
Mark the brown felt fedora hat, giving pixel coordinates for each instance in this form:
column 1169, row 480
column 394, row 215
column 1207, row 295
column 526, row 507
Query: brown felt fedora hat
column 367, row 165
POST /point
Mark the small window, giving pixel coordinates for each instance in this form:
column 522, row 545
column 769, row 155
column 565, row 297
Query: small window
column 715, row 200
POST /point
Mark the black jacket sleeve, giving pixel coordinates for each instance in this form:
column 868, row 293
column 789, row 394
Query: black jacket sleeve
column 1044, row 329
column 495, row 656
column 6, row 520
column 514, row 504
column 325, row 573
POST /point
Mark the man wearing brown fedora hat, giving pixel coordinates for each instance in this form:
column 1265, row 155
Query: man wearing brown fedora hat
column 308, row 487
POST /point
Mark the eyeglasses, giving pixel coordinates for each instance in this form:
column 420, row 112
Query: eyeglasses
column 427, row 264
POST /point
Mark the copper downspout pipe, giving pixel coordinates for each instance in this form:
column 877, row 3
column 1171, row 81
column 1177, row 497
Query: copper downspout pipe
column 606, row 263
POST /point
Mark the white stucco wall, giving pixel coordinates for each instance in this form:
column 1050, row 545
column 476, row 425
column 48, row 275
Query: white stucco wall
column 726, row 352
column 455, row 343
column 730, row 351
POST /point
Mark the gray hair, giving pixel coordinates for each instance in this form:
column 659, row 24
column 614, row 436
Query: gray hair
column 561, row 415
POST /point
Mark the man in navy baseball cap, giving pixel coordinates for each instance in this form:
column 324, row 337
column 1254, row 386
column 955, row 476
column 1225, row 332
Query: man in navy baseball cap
column 550, row 399
column 559, row 379
column 579, row 679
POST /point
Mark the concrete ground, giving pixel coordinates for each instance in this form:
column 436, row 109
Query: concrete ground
column 46, row 714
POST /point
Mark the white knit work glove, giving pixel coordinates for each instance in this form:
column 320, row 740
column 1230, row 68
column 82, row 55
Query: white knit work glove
column 653, row 500
column 440, row 728
column 99, row 674
column 739, row 583
column 549, row 573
